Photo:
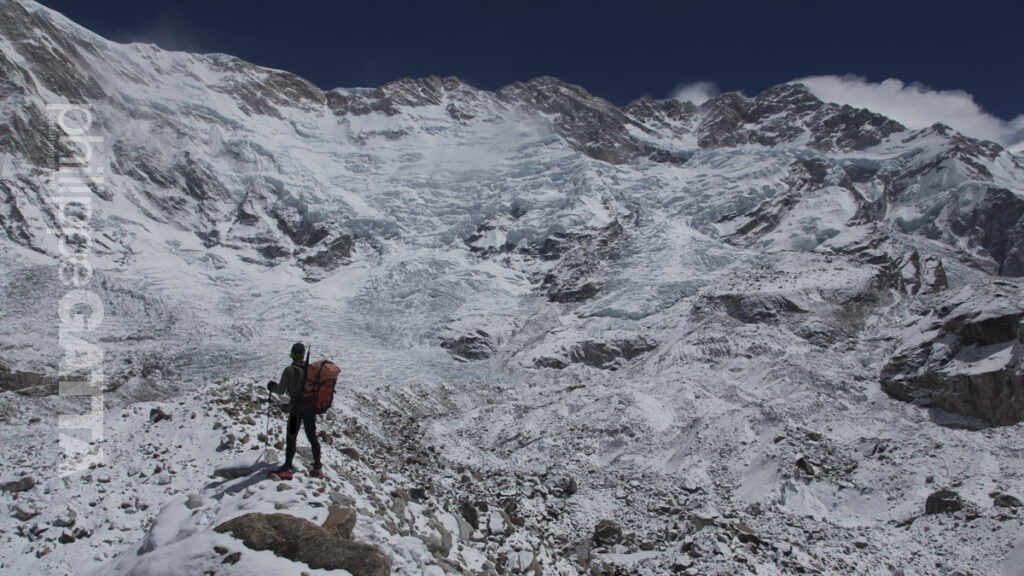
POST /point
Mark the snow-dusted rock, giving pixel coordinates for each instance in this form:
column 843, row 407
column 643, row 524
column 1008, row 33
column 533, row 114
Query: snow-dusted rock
column 302, row 541
column 966, row 356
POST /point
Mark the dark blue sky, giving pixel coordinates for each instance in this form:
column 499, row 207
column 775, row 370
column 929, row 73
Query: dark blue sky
column 616, row 50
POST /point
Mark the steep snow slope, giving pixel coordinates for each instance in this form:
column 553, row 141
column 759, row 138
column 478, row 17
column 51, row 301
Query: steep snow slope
column 684, row 309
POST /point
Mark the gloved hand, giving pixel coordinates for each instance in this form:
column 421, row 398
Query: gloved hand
column 270, row 386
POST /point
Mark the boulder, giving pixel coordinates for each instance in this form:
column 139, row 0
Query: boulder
column 156, row 415
column 25, row 483
column 1006, row 501
column 564, row 486
column 340, row 521
column 943, row 502
column 470, row 513
column 607, row 533
column 25, row 512
column 66, row 519
column 499, row 523
column 302, row 541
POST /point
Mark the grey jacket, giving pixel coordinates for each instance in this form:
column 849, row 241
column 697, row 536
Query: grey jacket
column 291, row 382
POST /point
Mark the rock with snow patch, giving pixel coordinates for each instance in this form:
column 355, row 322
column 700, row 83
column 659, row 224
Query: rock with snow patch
column 25, row 512
column 66, row 519
column 302, row 541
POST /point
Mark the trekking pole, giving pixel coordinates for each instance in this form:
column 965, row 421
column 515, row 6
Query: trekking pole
column 266, row 435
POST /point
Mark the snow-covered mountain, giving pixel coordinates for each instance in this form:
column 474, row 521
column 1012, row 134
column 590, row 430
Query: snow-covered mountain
column 754, row 334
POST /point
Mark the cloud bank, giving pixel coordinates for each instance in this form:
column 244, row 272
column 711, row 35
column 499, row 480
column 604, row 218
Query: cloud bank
column 918, row 106
column 696, row 92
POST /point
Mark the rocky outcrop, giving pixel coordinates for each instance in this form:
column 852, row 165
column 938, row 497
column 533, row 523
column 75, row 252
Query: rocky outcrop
column 476, row 346
column 302, row 541
column 966, row 356
column 609, row 355
column 756, row 308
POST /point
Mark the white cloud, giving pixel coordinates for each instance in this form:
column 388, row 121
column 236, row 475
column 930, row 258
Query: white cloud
column 696, row 92
column 918, row 106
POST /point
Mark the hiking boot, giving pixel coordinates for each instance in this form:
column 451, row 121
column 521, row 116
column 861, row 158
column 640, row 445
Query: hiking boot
column 316, row 472
column 283, row 473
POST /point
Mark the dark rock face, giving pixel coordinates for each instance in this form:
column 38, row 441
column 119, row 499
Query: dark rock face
column 609, row 355
column 913, row 275
column 580, row 254
column 943, row 502
column 59, row 65
column 391, row 97
column 784, row 113
column 758, row 308
column 667, row 116
column 476, row 346
column 996, row 223
column 591, row 125
column 300, row 540
column 970, row 362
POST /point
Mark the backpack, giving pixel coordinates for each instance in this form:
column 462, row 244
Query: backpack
column 318, row 389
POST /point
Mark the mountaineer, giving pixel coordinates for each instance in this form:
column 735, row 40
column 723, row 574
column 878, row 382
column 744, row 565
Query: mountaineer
column 293, row 381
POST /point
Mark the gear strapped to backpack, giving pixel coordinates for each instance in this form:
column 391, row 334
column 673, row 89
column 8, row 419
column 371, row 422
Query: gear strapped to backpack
column 318, row 388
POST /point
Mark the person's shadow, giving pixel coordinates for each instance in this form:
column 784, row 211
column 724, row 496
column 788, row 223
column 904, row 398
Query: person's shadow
column 259, row 473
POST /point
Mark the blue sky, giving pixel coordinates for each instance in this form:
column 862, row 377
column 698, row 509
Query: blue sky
column 616, row 50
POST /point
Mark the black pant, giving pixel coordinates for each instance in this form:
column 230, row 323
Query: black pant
column 308, row 421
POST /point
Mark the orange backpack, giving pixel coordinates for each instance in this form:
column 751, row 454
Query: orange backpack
column 318, row 389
